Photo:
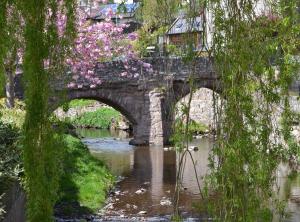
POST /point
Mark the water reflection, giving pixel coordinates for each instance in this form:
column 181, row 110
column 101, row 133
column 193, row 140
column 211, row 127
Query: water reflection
column 154, row 169
column 149, row 168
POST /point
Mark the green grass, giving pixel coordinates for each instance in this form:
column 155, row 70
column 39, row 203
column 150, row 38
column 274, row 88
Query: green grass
column 77, row 103
column 86, row 179
column 100, row 118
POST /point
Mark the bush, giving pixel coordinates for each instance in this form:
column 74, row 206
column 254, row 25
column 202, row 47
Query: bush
column 15, row 116
column 10, row 160
column 9, row 151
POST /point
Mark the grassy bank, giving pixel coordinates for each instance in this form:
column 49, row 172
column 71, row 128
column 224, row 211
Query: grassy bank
column 85, row 181
column 101, row 118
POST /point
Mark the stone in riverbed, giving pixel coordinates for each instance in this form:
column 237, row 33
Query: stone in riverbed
column 142, row 212
column 140, row 191
column 165, row 202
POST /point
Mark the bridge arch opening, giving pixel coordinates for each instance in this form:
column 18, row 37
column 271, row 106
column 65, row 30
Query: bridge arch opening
column 202, row 109
column 95, row 113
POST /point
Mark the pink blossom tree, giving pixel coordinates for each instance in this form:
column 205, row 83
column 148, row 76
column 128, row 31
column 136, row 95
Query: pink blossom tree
column 101, row 42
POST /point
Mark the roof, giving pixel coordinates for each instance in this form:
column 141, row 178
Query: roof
column 184, row 25
column 127, row 10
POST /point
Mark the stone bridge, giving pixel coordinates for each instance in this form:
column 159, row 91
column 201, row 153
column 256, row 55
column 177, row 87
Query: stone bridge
column 146, row 100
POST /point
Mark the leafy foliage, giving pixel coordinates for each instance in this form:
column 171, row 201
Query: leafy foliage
column 9, row 151
column 15, row 116
column 158, row 13
column 10, row 158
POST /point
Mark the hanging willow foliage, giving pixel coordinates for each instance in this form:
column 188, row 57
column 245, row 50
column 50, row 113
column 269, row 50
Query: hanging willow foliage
column 44, row 53
column 254, row 54
column 3, row 6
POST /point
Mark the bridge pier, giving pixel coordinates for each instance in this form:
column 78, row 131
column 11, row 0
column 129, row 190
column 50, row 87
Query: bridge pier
column 152, row 127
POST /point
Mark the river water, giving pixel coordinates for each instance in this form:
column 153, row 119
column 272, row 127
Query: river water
column 147, row 177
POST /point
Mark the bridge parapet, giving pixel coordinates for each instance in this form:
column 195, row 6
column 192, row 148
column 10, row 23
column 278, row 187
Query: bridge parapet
column 135, row 70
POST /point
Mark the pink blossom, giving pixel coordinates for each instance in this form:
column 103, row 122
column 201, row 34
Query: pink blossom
column 71, row 85
column 97, row 42
column 146, row 65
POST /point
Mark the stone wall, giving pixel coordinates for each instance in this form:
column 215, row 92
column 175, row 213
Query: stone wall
column 202, row 106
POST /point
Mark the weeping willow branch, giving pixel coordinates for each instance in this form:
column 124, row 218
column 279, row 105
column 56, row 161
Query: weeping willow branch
column 44, row 54
column 254, row 54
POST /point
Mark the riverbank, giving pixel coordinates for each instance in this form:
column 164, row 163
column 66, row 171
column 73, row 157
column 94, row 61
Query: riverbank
column 85, row 180
column 84, row 183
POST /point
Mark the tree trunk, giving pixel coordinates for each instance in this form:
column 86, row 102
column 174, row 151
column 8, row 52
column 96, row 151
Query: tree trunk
column 10, row 90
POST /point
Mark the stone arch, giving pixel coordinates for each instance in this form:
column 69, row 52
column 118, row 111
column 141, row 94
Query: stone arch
column 108, row 99
column 130, row 102
column 182, row 89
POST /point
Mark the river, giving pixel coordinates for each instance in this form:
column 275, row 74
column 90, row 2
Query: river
column 147, row 177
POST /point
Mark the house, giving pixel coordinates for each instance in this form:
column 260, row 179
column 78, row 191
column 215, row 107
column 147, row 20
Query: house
column 184, row 29
column 121, row 14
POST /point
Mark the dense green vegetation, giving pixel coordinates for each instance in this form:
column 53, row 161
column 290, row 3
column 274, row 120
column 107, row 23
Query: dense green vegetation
column 10, row 147
column 101, row 118
column 85, row 180
column 10, row 159
column 249, row 145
